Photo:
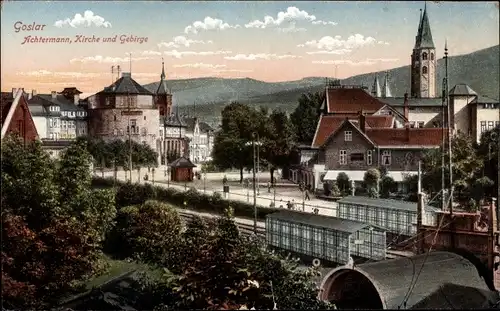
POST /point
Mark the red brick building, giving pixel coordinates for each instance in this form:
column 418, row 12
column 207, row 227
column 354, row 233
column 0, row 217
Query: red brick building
column 16, row 116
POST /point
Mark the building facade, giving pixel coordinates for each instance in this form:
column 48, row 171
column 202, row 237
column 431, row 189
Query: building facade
column 16, row 116
column 201, row 139
column 59, row 115
column 124, row 110
column 173, row 142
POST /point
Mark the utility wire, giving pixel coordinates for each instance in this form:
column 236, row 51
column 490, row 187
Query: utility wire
column 412, row 284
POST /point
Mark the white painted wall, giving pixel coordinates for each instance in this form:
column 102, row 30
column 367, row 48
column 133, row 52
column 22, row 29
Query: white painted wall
column 41, row 126
column 486, row 115
column 461, row 112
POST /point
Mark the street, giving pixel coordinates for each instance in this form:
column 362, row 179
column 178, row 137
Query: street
column 213, row 183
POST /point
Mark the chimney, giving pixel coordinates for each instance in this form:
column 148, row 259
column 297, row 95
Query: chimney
column 14, row 92
column 54, row 94
column 76, row 99
column 33, row 93
column 420, row 222
column 362, row 121
column 406, row 108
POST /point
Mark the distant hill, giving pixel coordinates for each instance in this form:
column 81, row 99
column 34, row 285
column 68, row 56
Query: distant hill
column 480, row 70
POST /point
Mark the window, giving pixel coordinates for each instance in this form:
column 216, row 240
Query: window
column 343, row 157
column 115, row 132
column 432, row 56
column 357, row 157
column 369, row 159
column 424, row 56
column 161, row 133
column 144, row 117
column 497, row 123
column 144, row 131
column 412, row 124
column 491, row 124
column 114, row 117
column 483, row 126
column 348, row 135
column 386, row 157
column 424, row 70
column 420, row 124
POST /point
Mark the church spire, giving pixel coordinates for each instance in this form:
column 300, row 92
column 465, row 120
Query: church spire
column 376, row 92
column 424, row 35
column 386, row 91
column 162, row 69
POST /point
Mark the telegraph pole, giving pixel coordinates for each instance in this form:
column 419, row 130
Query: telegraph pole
column 254, row 190
column 450, row 132
column 129, row 138
column 443, row 149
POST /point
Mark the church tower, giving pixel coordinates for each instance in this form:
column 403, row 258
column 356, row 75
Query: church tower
column 423, row 61
column 163, row 95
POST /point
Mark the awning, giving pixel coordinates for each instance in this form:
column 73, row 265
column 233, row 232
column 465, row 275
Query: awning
column 398, row 176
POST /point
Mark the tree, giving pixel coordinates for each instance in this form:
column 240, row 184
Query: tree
column 147, row 232
column 232, row 143
column 371, row 181
column 49, row 240
column 387, row 185
column 344, row 183
column 488, row 151
column 280, row 140
column 305, row 116
column 231, row 272
column 467, row 167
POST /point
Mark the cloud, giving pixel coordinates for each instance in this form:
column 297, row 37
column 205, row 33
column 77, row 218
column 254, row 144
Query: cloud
column 178, row 54
column 260, row 56
column 87, row 20
column 367, row 62
column 200, row 65
column 106, row 59
column 47, row 73
column 324, row 23
column 291, row 28
column 335, row 52
column 292, row 14
column 233, row 70
column 336, row 43
column 383, row 42
column 150, row 53
column 208, row 24
column 181, row 41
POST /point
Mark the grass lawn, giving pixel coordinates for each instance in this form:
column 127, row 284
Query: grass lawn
column 119, row 267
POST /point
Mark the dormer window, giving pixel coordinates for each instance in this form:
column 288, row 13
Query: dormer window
column 348, row 135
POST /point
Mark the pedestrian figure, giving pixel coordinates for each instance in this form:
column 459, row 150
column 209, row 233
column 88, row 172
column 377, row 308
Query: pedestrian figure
column 289, row 205
column 307, row 195
column 269, row 187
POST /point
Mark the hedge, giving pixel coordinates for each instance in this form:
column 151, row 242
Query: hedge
column 134, row 193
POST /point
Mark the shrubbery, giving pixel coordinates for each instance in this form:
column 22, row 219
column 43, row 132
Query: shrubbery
column 133, row 194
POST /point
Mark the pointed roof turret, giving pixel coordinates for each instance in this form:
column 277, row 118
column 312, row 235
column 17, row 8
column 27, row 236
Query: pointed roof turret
column 386, row 91
column 424, row 35
column 162, row 88
column 376, row 91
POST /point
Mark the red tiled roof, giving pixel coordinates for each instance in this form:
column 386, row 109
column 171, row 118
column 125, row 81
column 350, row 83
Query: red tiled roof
column 405, row 137
column 329, row 123
column 351, row 100
column 379, row 121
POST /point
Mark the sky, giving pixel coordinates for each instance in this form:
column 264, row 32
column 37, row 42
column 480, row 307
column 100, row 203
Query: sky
column 268, row 41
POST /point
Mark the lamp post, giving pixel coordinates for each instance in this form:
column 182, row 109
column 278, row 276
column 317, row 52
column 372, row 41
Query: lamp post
column 204, row 181
column 254, row 190
column 153, row 175
column 258, row 163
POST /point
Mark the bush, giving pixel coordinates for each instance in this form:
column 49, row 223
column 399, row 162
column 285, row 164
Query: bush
column 147, row 232
column 134, row 194
column 344, row 183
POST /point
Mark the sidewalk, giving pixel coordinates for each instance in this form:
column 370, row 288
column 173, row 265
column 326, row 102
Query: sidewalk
column 263, row 199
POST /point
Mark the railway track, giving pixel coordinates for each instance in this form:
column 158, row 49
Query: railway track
column 247, row 230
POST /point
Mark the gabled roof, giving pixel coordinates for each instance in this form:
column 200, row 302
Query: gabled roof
column 72, row 90
column 417, row 137
column 63, row 102
column 191, row 122
column 351, row 100
column 462, row 90
column 354, row 124
column 485, row 100
column 174, row 120
column 328, row 124
column 204, row 127
column 126, row 85
column 182, row 162
column 9, row 104
column 394, row 111
column 320, row 221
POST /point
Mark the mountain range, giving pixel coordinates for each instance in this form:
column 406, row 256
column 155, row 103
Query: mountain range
column 205, row 97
